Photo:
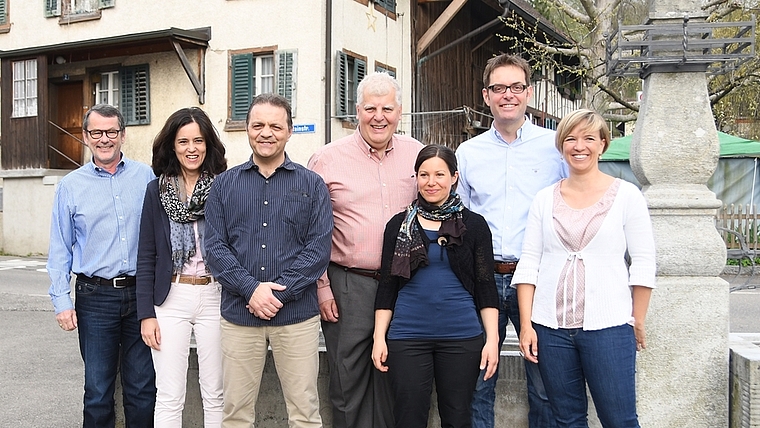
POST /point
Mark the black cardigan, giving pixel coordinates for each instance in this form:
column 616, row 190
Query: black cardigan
column 472, row 262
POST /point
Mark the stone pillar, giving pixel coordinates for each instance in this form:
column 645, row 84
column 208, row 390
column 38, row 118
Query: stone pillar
column 683, row 373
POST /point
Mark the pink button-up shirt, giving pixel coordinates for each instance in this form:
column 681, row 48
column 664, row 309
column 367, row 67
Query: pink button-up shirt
column 365, row 192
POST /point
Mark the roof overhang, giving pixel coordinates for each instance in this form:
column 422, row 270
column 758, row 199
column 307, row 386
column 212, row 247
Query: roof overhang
column 126, row 44
column 172, row 39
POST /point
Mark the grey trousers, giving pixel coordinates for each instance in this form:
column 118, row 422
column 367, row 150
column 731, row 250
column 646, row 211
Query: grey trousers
column 360, row 394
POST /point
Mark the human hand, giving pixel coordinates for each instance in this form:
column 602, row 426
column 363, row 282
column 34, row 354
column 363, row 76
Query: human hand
column 529, row 344
column 489, row 358
column 151, row 333
column 380, row 355
column 639, row 331
column 263, row 304
column 67, row 319
column 329, row 310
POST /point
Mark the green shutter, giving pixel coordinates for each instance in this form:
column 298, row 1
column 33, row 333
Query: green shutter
column 135, row 94
column 341, row 88
column 360, row 70
column 52, row 8
column 104, row 4
column 286, row 66
column 242, row 86
column 3, row 12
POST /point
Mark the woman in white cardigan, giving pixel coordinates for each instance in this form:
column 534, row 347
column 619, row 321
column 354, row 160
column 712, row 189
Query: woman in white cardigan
column 584, row 282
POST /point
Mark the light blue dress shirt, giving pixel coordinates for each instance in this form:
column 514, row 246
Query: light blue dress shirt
column 499, row 180
column 95, row 225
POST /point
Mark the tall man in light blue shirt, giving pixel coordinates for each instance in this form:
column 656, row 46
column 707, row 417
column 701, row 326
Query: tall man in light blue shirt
column 94, row 232
column 500, row 172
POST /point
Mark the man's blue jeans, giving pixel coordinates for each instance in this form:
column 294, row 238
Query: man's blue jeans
column 540, row 413
column 109, row 340
column 604, row 359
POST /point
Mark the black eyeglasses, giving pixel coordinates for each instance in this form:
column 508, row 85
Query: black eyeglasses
column 97, row 133
column 515, row 88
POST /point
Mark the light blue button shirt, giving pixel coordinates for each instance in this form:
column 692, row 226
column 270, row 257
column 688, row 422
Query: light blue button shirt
column 95, row 225
column 499, row 180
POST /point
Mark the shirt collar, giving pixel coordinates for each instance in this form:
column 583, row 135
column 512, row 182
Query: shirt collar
column 99, row 170
column 523, row 133
column 366, row 148
column 288, row 164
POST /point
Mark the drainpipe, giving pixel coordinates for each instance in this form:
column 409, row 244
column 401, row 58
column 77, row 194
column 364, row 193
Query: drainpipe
column 328, row 70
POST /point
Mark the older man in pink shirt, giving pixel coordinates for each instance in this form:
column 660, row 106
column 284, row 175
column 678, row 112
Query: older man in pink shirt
column 370, row 176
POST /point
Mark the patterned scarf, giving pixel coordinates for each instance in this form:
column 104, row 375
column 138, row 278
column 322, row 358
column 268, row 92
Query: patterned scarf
column 182, row 215
column 410, row 252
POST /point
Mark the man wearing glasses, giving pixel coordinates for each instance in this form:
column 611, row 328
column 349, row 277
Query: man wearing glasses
column 500, row 172
column 94, row 232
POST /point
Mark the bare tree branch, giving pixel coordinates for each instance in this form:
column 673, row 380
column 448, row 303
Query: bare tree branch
column 571, row 11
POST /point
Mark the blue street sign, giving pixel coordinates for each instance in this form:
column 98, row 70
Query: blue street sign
column 304, row 129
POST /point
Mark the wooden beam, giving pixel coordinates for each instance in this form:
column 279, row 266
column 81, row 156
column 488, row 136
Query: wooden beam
column 439, row 25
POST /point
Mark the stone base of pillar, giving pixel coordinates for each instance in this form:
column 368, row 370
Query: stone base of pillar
column 683, row 374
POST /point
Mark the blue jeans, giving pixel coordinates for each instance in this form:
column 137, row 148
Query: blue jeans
column 604, row 359
column 110, row 341
column 540, row 412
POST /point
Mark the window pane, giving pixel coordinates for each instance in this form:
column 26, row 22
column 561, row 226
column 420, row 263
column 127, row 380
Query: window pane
column 267, row 65
column 25, row 88
column 267, row 85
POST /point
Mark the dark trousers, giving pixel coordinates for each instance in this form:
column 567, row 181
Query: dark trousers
column 414, row 364
column 359, row 393
column 110, row 341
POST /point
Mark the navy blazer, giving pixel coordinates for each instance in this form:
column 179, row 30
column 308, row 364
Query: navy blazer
column 154, row 255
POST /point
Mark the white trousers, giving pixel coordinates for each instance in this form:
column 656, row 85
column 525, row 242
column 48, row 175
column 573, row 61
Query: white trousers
column 189, row 309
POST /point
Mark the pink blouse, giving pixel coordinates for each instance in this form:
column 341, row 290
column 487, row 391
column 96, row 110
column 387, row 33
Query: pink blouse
column 576, row 228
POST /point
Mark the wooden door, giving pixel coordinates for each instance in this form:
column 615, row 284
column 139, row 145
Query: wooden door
column 69, row 102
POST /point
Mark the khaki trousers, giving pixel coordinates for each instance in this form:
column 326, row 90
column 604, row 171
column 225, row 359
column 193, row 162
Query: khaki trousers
column 296, row 356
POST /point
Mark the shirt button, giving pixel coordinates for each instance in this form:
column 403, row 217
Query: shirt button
column 263, row 245
column 266, row 202
column 264, row 224
column 262, row 268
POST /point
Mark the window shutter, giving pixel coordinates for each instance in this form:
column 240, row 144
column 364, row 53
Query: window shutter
column 52, row 8
column 135, row 94
column 242, row 86
column 286, row 66
column 360, row 70
column 3, row 12
column 341, row 95
column 105, row 4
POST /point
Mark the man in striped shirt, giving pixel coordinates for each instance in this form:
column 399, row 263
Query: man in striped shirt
column 268, row 228
column 370, row 176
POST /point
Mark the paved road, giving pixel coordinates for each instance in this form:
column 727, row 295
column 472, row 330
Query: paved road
column 41, row 370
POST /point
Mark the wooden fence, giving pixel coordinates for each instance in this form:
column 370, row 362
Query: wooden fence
column 742, row 219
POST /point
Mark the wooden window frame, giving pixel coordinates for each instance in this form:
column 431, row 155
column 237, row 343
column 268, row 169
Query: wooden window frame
column 241, row 78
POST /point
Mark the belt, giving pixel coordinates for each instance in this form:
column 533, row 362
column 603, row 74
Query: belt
column 194, row 280
column 118, row 282
column 363, row 272
column 504, row 268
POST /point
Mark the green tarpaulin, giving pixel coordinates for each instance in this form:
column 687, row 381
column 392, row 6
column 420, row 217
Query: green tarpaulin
column 730, row 147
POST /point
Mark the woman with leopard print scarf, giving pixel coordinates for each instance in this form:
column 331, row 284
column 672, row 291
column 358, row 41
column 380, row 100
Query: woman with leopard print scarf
column 176, row 294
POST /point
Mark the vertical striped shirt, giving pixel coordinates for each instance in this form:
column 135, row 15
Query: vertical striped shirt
column 95, row 225
column 268, row 229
